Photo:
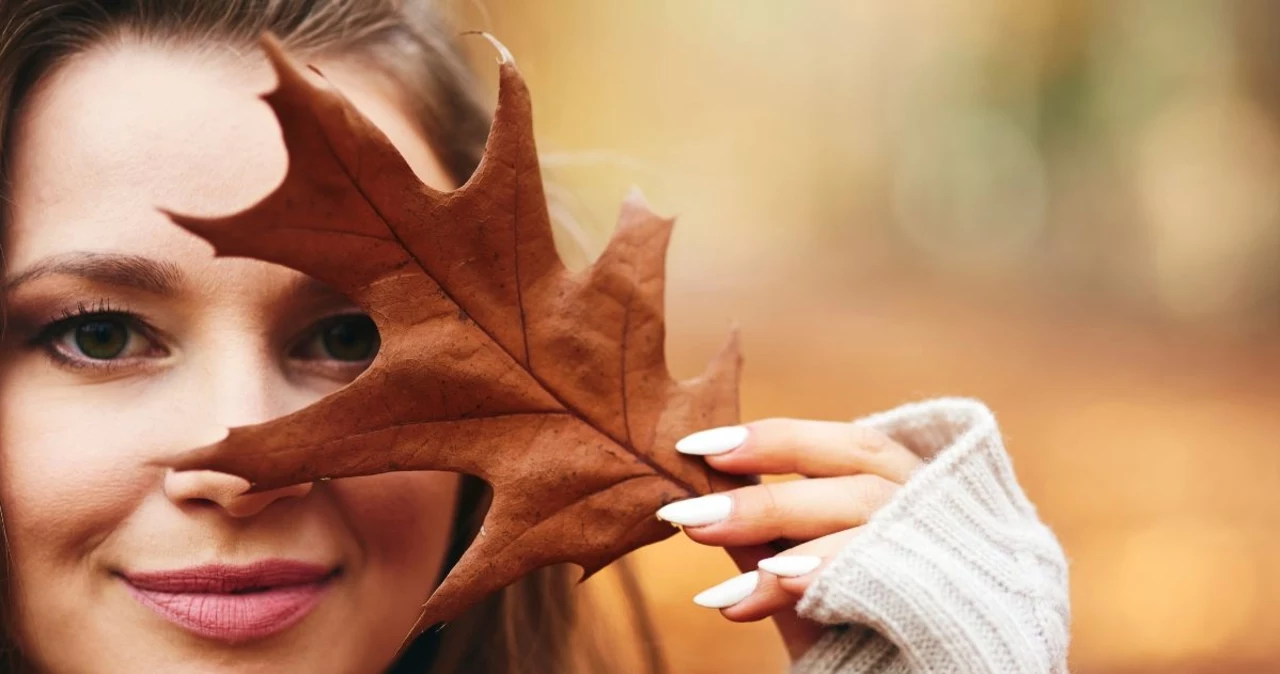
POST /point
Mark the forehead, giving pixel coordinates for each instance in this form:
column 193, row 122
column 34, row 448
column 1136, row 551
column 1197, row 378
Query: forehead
column 118, row 132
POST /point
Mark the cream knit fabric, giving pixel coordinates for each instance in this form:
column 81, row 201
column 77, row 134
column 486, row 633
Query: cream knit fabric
column 955, row 575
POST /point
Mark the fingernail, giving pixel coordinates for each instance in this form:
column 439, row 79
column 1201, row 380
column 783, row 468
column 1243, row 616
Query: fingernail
column 790, row 566
column 713, row 441
column 730, row 592
column 696, row 512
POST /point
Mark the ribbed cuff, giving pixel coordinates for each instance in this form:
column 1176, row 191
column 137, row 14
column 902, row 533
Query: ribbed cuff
column 956, row 573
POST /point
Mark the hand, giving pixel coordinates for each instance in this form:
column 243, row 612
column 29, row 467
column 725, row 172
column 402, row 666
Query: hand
column 855, row 471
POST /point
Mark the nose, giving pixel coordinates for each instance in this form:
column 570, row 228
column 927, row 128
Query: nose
column 238, row 382
column 244, row 385
column 188, row 487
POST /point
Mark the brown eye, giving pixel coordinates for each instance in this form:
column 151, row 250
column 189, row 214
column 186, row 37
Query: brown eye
column 101, row 339
column 351, row 338
column 347, row 339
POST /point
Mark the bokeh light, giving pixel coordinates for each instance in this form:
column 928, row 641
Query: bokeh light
column 1069, row 208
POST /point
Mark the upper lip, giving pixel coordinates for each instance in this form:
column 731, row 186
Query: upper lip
column 226, row 579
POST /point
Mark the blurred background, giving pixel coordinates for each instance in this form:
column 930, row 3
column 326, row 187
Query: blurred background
column 1068, row 208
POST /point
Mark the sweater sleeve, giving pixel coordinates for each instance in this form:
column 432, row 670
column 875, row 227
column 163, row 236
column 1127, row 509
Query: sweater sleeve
column 955, row 574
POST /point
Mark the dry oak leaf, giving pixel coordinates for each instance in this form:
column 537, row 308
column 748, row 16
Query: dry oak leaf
column 496, row 360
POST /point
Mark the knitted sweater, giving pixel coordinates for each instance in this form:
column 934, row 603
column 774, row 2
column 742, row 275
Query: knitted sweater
column 956, row 574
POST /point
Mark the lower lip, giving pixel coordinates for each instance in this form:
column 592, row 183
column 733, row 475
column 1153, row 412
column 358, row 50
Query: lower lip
column 235, row 618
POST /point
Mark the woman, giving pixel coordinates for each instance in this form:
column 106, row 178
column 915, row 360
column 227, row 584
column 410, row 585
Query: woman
column 127, row 341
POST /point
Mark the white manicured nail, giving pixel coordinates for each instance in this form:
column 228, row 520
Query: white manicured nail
column 713, row 441
column 791, row 566
column 696, row 512
column 730, row 592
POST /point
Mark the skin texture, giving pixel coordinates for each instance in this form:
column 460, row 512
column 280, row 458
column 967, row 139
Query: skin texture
column 549, row 384
column 852, row 471
column 103, row 142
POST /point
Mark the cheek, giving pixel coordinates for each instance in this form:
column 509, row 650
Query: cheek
column 67, row 449
column 404, row 523
column 68, row 477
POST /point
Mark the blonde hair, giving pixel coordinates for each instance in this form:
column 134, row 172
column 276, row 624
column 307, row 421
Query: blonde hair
column 527, row 628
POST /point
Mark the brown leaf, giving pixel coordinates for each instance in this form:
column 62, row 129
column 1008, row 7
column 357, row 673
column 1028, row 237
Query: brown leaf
column 496, row 360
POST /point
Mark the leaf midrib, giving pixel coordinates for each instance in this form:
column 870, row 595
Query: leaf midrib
column 626, row 445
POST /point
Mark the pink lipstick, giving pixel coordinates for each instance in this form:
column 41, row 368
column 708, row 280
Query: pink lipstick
column 233, row 604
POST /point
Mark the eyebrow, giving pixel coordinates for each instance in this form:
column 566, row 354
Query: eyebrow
column 158, row 277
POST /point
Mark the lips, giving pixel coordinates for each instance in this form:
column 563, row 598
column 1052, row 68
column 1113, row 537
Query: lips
column 234, row 604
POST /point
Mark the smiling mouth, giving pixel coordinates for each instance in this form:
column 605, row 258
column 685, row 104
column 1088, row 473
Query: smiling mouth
column 234, row 604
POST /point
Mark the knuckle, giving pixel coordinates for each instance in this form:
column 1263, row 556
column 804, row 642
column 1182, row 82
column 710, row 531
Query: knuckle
column 762, row 506
column 868, row 440
column 869, row 493
column 770, row 509
column 880, row 490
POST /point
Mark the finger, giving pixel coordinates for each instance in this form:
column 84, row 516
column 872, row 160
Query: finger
column 747, row 558
column 797, row 633
column 810, row 448
column 753, row 587
column 795, row 510
column 776, row 593
column 797, row 568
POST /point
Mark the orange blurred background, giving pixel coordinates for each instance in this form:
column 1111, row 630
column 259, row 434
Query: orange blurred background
column 1068, row 208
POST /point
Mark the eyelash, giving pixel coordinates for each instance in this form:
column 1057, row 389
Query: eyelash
column 48, row 336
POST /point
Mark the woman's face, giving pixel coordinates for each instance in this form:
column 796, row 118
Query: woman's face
column 128, row 341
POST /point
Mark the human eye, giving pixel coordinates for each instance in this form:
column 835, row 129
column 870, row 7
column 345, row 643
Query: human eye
column 343, row 345
column 99, row 338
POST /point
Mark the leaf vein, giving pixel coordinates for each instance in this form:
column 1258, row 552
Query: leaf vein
column 624, row 443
